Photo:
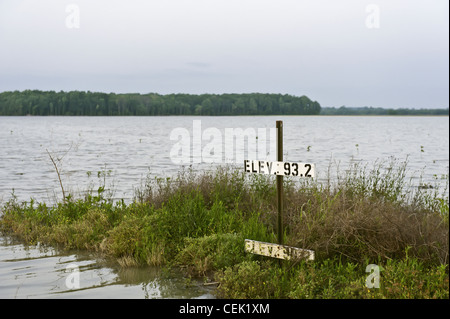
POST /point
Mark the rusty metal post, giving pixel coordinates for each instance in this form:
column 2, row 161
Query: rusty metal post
column 280, row 192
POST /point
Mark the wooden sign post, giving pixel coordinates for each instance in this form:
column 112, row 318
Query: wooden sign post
column 280, row 190
column 280, row 169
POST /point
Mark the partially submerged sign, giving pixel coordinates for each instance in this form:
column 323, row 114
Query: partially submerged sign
column 277, row 251
column 280, row 168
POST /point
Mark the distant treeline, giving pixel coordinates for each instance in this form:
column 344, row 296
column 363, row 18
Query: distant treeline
column 380, row 111
column 35, row 102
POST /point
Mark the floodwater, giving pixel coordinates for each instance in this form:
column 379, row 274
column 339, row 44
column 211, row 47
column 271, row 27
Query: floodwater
column 121, row 152
column 41, row 272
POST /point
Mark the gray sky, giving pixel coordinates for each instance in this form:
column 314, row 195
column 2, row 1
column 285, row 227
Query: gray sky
column 380, row 53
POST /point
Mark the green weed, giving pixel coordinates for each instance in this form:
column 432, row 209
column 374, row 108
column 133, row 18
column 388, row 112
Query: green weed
column 198, row 221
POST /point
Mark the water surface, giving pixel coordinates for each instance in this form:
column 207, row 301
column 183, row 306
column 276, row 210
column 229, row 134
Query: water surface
column 120, row 152
column 128, row 149
column 43, row 272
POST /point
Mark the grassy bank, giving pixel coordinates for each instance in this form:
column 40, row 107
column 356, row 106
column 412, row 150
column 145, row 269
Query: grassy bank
column 199, row 222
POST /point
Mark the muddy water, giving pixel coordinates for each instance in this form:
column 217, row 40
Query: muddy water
column 42, row 272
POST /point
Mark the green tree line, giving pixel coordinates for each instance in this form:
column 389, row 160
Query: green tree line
column 380, row 111
column 36, row 102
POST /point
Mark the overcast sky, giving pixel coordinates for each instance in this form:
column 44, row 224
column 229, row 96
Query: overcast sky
column 380, row 53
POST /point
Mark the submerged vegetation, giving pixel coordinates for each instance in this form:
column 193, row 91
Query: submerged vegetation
column 198, row 221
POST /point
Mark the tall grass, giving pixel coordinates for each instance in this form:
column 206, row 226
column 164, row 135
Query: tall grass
column 370, row 215
column 198, row 221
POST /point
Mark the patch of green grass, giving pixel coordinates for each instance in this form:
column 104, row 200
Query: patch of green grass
column 210, row 253
column 332, row 279
column 198, row 221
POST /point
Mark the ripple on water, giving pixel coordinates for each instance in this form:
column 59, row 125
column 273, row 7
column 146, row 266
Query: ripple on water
column 39, row 272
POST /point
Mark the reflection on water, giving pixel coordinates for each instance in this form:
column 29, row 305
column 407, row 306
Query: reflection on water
column 39, row 272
